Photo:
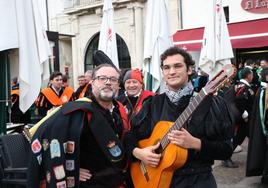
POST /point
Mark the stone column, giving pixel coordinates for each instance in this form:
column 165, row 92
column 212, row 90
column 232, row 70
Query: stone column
column 139, row 35
column 75, row 48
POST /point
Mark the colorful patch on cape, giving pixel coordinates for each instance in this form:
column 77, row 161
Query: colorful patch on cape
column 70, row 147
column 59, row 172
column 61, row 184
column 48, row 177
column 69, row 165
column 114, row 149
column 45, row 144
column 54, row 148
column 39, row 159
column 70, row 181
column 36, row 146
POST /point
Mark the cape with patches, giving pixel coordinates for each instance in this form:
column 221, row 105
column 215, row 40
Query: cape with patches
column 54, row 160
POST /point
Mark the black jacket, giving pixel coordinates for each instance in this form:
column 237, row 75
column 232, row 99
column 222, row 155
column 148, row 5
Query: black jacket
column 257, row 146
column 210, row 122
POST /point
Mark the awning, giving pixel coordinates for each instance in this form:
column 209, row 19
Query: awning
column 249, row 34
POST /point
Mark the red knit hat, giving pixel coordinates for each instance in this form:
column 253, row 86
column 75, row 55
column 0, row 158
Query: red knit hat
column 133, row 74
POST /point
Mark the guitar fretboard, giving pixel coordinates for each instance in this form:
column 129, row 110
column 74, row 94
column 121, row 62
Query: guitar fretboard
column 186, row 114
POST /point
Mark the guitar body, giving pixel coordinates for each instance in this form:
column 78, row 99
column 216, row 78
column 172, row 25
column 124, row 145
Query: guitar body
column 173, row 158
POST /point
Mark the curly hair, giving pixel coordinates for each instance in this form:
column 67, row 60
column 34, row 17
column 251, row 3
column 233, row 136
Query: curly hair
column 174, row 51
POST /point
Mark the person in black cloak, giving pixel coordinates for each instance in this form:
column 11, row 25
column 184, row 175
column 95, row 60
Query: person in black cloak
column 207, row 134
column 81, row 144
column 257, row 158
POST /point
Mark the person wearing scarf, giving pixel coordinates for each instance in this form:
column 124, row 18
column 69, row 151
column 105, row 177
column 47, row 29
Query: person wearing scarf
column 207, row 134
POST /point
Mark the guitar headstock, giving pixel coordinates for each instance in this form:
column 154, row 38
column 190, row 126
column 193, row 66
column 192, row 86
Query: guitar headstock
column 223, row 76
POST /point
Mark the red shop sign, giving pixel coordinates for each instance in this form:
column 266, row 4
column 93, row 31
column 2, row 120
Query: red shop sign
column 255, row 6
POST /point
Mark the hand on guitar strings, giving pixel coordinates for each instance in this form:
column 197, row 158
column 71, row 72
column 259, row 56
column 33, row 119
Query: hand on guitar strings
column 148, row 155
column 184, row 139
column 84, row 174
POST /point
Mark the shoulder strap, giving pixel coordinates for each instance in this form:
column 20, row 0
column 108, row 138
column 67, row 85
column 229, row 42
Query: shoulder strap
column 51, row 96
column 15, row 92
column 82, row 94
column 142, row 97
column 124, row 117
column 66, row 95
column 110, row 143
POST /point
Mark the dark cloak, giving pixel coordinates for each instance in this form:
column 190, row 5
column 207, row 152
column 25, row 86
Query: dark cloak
column 257, row 145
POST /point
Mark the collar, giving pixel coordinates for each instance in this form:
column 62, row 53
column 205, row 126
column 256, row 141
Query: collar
column 264, row 84
column 245, row 82
column 54, row 89
column 134, row 95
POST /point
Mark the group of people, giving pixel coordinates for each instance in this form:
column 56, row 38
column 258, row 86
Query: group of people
column 99, row 135
column 100, row 132
column 246, row 98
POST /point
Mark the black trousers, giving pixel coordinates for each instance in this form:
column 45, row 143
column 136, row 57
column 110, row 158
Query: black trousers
column 202, row 180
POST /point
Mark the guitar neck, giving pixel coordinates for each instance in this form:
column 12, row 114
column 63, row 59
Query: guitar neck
column 186, row 114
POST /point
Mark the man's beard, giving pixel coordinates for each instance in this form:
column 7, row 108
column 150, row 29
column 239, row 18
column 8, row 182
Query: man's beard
column 105, row 96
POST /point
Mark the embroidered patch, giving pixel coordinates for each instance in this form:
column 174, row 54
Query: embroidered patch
column 48, row 177
column 59, row 172
column 36, row 146
column 114, row 149
column 70, row 181
column 64, row 147
column 69, row 165
column 70, row 147
column 61, row 184
column 39, row 159
column 45, row 144
column 54, row 148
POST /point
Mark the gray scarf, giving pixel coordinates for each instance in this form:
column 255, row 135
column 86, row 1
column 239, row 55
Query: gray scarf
column 175, row 96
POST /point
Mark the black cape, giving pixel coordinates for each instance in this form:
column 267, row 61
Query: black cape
column 257, row 145
column 56, row 145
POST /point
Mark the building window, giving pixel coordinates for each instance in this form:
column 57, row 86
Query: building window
column 226, row 12
column 122, row 50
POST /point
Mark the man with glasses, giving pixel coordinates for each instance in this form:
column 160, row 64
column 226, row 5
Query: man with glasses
column 88, row 151
column 207, row 135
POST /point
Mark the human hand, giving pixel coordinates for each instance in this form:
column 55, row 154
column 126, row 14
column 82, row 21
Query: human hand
column 84, row 174
column 184, row 139
column 148, row 155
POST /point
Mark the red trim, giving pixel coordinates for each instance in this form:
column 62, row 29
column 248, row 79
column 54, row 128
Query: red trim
column 240, row 34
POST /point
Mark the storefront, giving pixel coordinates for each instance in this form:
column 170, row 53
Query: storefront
column 249, row 39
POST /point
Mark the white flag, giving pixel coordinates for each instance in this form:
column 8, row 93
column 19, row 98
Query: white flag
column 216, row 48
column 157, row 39
column 33, row 51
column 107, row 41
column 24, row 30
column 8, row 20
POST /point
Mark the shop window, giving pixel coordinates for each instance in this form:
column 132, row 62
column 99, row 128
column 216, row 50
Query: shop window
column 122, row 50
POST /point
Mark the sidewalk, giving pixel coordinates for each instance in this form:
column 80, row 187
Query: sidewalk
column 235, row 177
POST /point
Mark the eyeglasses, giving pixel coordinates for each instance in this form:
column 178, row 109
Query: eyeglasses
column 104, row 79
column 167, row 68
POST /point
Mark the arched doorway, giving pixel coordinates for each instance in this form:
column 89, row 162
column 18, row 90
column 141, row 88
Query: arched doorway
column 122, row 50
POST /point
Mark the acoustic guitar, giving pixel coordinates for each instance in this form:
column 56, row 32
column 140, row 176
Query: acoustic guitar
column 173, row 157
